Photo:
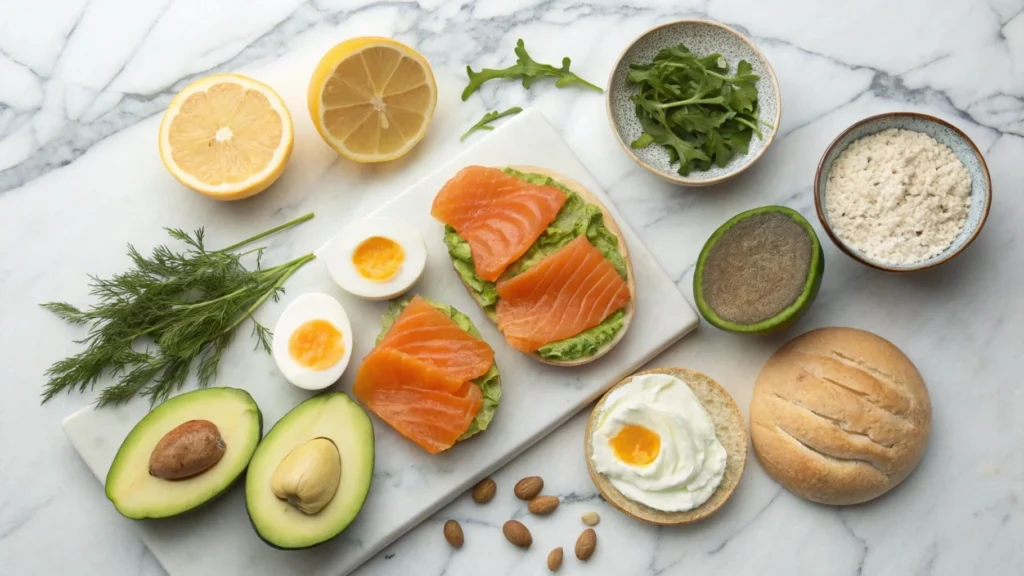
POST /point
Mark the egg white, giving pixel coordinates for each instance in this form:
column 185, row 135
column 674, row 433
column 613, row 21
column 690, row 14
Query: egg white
column 691, row 461
column 308, row 307
column 337, row 255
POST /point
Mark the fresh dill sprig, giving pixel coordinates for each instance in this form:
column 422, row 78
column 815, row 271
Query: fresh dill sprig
column 169, row 311
column 484, row 123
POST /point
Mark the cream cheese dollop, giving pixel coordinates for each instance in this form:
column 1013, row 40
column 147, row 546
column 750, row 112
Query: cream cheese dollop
column 674, row 472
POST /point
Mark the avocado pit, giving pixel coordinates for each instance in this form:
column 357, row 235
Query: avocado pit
column 308, row 477
column 188, row 450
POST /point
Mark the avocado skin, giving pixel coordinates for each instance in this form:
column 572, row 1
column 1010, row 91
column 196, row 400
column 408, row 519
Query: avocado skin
column 770, row 326
column 218, row 495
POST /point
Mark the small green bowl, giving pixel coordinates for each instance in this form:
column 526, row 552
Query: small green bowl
column 788, row 315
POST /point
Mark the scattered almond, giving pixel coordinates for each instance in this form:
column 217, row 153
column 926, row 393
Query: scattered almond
column 529, row 487
column 543, row 505
column 484, row 491
column 453, row 534
column 516, row 533
column 586, row 544
column 555, row 559
column 591, row 518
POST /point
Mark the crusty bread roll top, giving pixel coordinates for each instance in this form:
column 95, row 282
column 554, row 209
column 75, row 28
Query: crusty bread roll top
column 839, row 416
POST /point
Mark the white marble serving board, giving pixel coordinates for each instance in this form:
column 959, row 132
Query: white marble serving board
column 409, row 484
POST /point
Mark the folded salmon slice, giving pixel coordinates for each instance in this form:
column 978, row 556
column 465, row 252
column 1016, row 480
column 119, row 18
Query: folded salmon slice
column 499, row 215
column 384, row 368
column 419, row 377
column 572, row 290
column 429, row 335
column 409, row 395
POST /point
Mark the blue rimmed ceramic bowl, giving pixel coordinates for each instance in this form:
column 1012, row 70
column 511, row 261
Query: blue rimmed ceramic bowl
column 945, row 133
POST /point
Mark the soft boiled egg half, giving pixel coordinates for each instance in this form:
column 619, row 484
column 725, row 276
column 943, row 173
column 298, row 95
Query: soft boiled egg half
column 313, row 341
column 376, row 258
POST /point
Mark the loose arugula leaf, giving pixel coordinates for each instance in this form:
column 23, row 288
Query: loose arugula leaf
column 529, row 70
column 484, row 123
column 691, row 106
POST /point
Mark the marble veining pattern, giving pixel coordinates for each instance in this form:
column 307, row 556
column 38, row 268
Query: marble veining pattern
column 82, row 84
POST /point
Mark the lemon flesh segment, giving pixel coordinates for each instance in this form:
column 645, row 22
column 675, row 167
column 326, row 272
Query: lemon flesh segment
column 376, row 104
column 228, row 137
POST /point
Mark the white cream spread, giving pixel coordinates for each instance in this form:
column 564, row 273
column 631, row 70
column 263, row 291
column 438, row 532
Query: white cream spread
column 656, row 443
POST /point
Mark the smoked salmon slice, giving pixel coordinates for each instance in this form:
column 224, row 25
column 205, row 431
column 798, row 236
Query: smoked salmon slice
column 429, row 335
column 571, row 290
column 499, row 215
column 384, row 368
column 406, row 393
column 419, row 378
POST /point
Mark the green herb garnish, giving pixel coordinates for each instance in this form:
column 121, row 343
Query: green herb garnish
column 170, row 309
column 694, row 109
column 527, row 69
column 489, row 117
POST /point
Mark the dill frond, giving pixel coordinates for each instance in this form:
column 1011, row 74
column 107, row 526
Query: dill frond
column 170, row 310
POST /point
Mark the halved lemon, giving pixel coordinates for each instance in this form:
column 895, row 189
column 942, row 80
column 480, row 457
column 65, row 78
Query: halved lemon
column 226, row 136
column 372, row 98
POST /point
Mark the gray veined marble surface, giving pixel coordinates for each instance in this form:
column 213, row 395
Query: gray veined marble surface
column 82, row 83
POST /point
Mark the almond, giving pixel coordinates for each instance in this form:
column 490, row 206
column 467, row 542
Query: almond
column 189, row 449
column 529, row 487
column 586, row 544
column 543, row 505
column 517, row 534
column 484, row 491
column 555, row 559
column 453, row 534
column 590, row 518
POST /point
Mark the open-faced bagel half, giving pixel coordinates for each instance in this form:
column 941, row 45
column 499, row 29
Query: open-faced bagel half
column 613, row 227
column 729, row 428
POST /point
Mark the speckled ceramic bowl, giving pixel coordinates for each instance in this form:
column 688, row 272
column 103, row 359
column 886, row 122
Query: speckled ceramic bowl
column 702, row 37
column 945, row 133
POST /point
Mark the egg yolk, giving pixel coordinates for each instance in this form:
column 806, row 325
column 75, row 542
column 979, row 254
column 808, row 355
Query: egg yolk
column 316, row 345
column 636, row 445
column 378, row 258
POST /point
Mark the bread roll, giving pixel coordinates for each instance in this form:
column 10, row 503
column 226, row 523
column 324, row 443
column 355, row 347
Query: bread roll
column 839, row 416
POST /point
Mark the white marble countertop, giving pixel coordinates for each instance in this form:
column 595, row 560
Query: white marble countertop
column 82, row 84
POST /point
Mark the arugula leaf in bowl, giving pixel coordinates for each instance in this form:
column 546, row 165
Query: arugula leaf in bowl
column 692, row 107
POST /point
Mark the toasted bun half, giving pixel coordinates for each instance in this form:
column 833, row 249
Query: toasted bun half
column 839, row 416
column 729, row 428
column 612, row 227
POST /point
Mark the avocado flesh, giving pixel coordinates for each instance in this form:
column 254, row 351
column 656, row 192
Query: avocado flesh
column 330, row 415
column 138, row 495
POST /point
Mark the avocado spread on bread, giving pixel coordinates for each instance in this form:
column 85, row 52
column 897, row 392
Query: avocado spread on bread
column 575, row 218
column 489, row 383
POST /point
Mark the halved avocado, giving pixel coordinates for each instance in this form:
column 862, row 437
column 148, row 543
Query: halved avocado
column 280, row 522
column 759, row 272
column 138, row 494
